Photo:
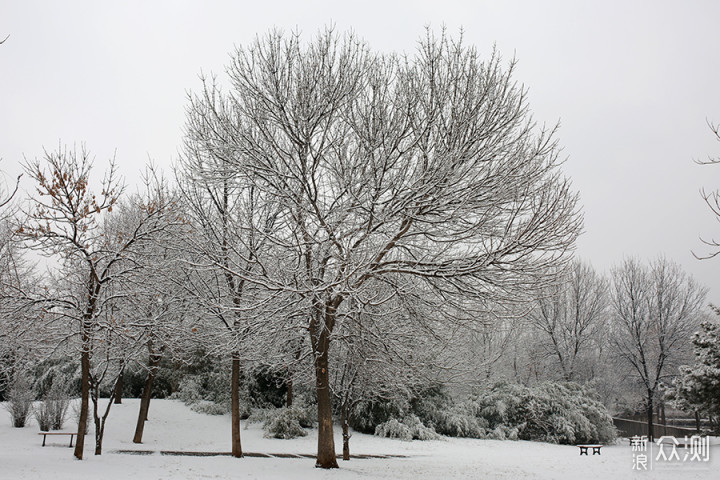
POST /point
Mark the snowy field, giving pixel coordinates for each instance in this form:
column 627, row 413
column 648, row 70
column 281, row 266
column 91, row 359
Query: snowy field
column 173, row 426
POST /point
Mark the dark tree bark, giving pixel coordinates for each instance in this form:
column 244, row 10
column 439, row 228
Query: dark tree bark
column 118, row 391
column 345, row 430
column 326, row 441
column 146, row 395
column 650, row 413
column 84, row 397
column 235, row 379
column 289, row 385
column 663, row 419
column 100, row 421
column 697, row 421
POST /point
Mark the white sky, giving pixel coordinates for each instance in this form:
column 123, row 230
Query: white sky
column 632, row 83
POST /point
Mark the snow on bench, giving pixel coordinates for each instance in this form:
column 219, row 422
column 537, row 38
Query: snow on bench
column 595, row 449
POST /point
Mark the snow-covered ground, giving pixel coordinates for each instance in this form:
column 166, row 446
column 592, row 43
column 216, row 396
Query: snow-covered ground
column 173, row 426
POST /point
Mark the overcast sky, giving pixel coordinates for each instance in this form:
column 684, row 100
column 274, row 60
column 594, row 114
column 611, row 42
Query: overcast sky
column 631, row 82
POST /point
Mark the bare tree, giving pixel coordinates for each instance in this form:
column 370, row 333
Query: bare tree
column 712, row 199
column 230, row 220
column 570, row 315
column 429, row 166
column 68, row 221
column 655, row 309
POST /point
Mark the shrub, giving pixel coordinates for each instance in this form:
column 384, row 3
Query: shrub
column 200, row 391
column 51, row 412
column 209, row 408
column 410, row 428
column 19, row 401
column 285, row 423
column 551, row 412
column 458, row 422
column 267, row 387
column 43, row 417
column 367, row 415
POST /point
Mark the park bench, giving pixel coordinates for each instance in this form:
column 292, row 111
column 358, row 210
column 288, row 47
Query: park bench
column 45, row 434
column 595, row 449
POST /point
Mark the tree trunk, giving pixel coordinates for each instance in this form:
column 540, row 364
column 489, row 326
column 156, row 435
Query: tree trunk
column 663, row 419
column 118, row 391
column 99, row 431
column 289, row 385
column 84, row 397
column 345, row 431
column 145, row 400
column 650, row 413
column 697, row 421
column 326, row 442
column 235, row 407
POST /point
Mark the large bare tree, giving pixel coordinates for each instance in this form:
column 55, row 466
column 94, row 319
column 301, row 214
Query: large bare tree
column 427, row 166
column 655, row 309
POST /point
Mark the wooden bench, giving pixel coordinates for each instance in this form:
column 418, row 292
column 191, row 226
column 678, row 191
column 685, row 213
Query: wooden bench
column 584, row 449
column 45, row 434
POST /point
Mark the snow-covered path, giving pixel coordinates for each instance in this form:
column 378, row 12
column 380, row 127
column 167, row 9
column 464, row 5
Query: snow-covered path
column 173, row 426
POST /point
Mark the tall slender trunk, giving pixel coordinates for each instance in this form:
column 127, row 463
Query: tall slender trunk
column 663, row 418
column 84, row 394
column 100, row 421
column 99, row 432
column 289, row 399
column 146, row 395
column 235, row 407
column 650, row 413
column 697, row 421
column 345, row 431
column 326, row 441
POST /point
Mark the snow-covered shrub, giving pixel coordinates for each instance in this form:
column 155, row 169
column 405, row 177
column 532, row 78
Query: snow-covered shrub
column 503, row 432
column 43, row 417
column 410, row 428
column 430, row 404
column 19, row 401
column 367, row 415
column 189, row 391
column 552, row 412
column 457, row 422
column 285, row 423
column 394, row 429
column 258, row 415
column 209, row 408
column 51, row 413
column 208, row 393
column 302, row 410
